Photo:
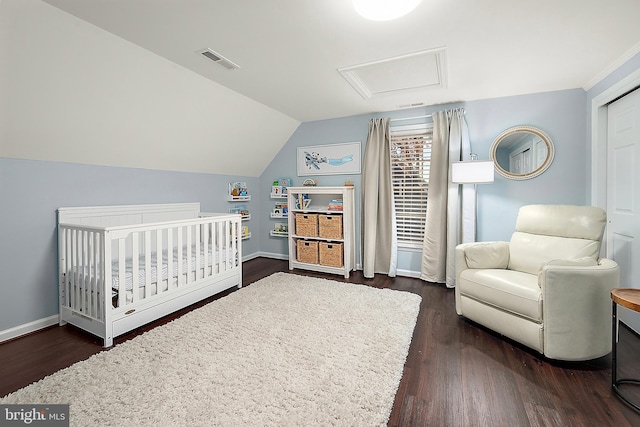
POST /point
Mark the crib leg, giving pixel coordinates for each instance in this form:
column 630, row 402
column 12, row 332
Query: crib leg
column 108, row 342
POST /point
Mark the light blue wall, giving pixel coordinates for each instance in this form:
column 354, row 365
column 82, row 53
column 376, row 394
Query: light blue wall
column 560, row 114
column 31, row 191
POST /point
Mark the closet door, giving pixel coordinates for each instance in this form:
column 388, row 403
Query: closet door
column 623, row 191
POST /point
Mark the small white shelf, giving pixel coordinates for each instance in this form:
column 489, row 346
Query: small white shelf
column 231, row 198
column 278, row 196
column 246, row 217
column 246, row 236
column 278, row 234
column 273, row 215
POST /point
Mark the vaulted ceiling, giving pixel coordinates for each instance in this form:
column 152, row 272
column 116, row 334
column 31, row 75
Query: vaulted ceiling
column 84, row 81
column 290, row 51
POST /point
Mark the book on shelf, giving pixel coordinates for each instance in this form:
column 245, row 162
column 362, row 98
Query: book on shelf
column 335, row 205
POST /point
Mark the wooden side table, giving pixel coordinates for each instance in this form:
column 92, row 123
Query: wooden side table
column 629, row 298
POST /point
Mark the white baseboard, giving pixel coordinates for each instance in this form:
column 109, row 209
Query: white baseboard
column 250, row 256
column 27, row 328
column 408, row 273
column 272, row 255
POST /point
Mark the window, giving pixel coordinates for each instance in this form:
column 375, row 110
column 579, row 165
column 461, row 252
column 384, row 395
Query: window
column 410, row 161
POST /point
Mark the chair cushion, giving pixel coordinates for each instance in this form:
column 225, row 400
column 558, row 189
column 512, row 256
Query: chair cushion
column 487, row 255
column 529, row 252
column 508, row 290
column 548, row 232
column 579, row 222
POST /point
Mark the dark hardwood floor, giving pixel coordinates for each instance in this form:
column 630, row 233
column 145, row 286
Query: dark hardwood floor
column 457, row 373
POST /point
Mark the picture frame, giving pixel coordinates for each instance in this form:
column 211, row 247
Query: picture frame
column 329, row 159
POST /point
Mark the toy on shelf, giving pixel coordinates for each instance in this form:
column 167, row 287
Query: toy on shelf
column 279, row 187
column 241, row 210
column 280, row 230
column 238, row 191
column 310, row 182
column 281, row 210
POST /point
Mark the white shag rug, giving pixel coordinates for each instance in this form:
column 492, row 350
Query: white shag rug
column 286, row 350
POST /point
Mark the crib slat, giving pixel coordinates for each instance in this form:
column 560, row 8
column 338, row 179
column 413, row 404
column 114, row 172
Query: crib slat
column 170, row 257
column 68, row 268
column 95, row 245
column 196, row 229
column 219, row 233
column 147, row 263
column 135, row 267
column 179, row 280
column 85, row 292
column 158, row 261
column 205, row 249
column 89, row 273
column 231, row 257
column 74, row 283
column 107, row 299
column 188, row 263
column 122, row 269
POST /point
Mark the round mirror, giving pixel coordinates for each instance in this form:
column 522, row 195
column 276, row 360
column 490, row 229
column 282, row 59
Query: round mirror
column 522, row 152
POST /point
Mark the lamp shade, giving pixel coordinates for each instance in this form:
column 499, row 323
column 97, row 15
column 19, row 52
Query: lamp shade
column 472, row 172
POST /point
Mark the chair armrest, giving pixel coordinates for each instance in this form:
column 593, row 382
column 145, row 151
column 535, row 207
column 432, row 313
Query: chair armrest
column 482, row 255
column 576, row 307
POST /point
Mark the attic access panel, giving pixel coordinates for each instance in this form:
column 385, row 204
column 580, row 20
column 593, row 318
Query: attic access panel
column 425, row 69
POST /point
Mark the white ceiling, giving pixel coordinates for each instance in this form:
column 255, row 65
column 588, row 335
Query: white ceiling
column 290, row 51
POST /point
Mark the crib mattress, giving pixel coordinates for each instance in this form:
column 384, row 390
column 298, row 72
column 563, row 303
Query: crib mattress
column 83, row 275
column 187, row 267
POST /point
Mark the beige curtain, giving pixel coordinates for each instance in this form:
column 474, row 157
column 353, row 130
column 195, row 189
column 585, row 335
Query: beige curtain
column 379, row 236
column 443, row 227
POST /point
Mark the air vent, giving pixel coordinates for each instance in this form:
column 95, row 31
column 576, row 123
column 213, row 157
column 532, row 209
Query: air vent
column 219, row 59
column 412, row 105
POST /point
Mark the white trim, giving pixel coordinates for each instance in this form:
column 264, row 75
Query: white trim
column 28, row 328
column 408, row 273
column 599, row 115
column 251, row 256
column 614, row 66
column 272, row 255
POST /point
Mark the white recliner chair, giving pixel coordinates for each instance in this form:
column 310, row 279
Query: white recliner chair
column 547, row 288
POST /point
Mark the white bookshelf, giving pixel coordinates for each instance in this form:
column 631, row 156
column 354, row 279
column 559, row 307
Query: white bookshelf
column 320, row 199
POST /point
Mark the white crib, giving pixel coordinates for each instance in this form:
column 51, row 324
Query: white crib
column 106, row 285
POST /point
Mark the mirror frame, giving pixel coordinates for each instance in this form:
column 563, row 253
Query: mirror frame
column 530, row 129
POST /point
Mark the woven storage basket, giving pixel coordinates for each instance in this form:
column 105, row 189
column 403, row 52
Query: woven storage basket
column 331, row 254
column 307, row 251
column 330, row 226
column 307, row 225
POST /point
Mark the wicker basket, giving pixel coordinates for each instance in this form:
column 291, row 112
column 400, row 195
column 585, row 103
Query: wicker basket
column 331, row 254
column 330, row 226
column 306, row 225
column 307, row 251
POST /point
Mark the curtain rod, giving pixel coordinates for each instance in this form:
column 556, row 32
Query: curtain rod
column 428, row 116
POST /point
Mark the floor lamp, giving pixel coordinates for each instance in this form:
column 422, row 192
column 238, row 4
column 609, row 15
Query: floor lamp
column 472, row 172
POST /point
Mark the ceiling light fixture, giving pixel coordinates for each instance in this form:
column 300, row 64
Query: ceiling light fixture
column 384, row 10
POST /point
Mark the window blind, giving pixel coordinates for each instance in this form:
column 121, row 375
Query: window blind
column 410, row 164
